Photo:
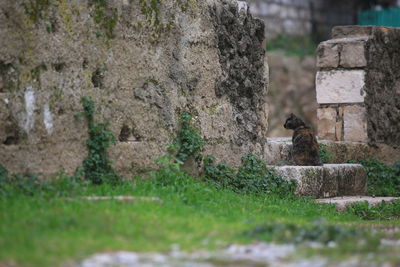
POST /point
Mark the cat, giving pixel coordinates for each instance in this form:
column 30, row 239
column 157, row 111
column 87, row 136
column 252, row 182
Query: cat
column 305, row 150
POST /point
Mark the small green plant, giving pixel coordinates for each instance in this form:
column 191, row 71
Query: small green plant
column 318, row 231
column 297, row 45
column 253, row 176
column 97, row 167
column 50, row 28
column 382, row 211
column 383, row 180
column 325, row 155
column 189, row 141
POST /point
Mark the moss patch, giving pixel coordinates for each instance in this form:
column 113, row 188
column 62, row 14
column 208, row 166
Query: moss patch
column 36, row 9
column 106, row 17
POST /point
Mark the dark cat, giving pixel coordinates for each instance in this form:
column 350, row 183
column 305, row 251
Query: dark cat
column 305, row 146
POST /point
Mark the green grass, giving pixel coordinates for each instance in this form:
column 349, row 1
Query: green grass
column 44, row 229
column 382, row 211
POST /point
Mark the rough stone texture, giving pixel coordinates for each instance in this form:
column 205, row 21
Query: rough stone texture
column 328, row 180
column 351, row 31
column 340, row 86
column 328, row 55
column 374, row 50
column 206, row 60
column 342, row 202
column 352, row 55
column 383, row 86
column 241, row 57
column 339, row 131
column 278, row 151
column 327, row 123
column 355, row 124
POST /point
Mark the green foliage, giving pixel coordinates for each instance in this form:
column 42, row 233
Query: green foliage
column 293, row 45
column 3, row 173
column 383, row 180
column 97, row 167
column 189, row 141
column 30, row 185
column 252, row 176
column 318, row 231
column 35, row 9
column 325, row 155
column 106, row 17
column 382, row 211
column 194, row 215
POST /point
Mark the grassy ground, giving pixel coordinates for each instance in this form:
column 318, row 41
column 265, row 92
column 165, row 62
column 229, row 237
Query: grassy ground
column 46, row 230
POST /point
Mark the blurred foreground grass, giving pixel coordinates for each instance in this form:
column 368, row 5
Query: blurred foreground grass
column 43, row 229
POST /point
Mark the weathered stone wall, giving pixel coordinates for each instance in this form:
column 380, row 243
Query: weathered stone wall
column 358, row 85
column 204, row 57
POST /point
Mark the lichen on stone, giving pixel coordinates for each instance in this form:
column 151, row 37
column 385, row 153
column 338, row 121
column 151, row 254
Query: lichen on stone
column 36, row 9
column 105, row 16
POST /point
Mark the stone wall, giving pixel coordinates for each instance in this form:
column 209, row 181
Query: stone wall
column 358, row 85
column 143, row 71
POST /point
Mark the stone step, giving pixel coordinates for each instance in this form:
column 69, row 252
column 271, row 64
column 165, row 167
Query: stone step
column 277, row 151
column 329, row 180
column 342, row 202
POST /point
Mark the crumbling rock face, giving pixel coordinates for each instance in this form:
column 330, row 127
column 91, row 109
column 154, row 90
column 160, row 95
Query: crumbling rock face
column 142, row 75
column 241, row 57
column 382, row 100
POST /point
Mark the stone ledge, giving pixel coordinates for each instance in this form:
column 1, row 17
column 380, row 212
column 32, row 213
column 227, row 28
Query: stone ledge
column 343, row 52
column 342, row 202
column 329, row 180
column 351, row 31
column 277, row 151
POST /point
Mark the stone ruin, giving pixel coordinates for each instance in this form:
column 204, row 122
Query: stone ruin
column 142, row 67
column 358, row 85
column 203, row 57
column 358, row 92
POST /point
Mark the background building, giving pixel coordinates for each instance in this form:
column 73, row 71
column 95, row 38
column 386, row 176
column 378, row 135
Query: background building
column 316, row 17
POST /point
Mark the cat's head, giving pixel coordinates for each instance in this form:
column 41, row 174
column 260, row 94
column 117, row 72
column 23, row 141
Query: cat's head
column 293, row 122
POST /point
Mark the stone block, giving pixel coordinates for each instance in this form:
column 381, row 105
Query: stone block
column 342, row 203
column 353, row 55
column 355, row 124
column 277, row 151
column 351, row 31
column 327, row 55
column 340, row 86
column 329, row 180
column 327, row 123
